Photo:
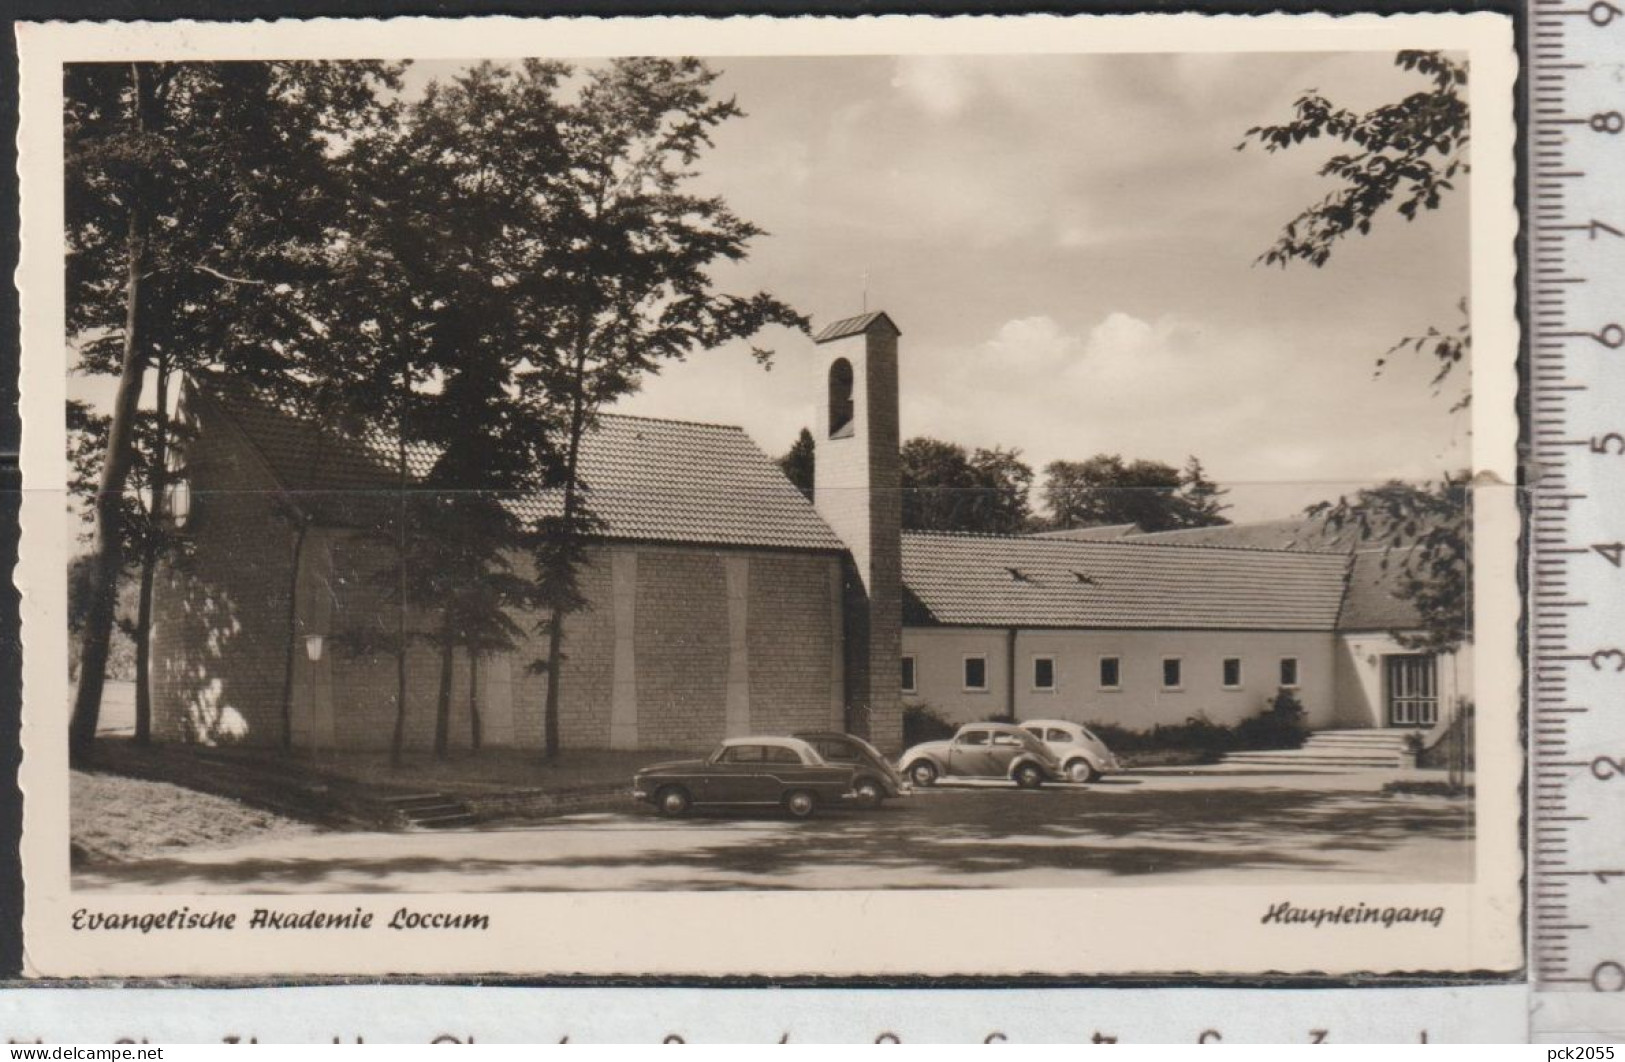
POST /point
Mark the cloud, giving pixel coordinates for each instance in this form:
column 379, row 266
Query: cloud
column 938, row 84
column 1027, row 344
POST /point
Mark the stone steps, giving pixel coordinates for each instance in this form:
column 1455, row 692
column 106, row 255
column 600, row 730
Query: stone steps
column 430, row 811
column 1334, row 750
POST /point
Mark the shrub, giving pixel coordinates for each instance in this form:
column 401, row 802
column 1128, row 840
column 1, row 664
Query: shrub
column 1198, row 733
column 922, row 722
column 1280, row 726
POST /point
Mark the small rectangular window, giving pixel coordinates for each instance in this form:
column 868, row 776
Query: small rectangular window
column 976, row 673
column 908, row 675
column 1232, row 673
column 1172, row 673
column 1043, row 672
column 1289, row 672
column 1111, row 673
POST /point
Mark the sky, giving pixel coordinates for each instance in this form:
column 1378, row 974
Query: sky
column 1069, row 245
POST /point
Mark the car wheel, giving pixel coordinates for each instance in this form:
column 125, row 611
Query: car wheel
column 1081, row 771
column 869, row 793
column 800, row 804
column 673, row 801
column 1029, row 776
column 923, row 773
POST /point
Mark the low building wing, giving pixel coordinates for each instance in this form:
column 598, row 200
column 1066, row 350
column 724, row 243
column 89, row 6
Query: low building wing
column 1010, row 581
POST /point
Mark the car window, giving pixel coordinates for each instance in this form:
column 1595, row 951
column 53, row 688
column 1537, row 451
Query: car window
column 1060, row 737
column 838, row 752
column 742, row 754
column 1006, row 739
column 1035, row 731
column 780, row 754
column 974, row 737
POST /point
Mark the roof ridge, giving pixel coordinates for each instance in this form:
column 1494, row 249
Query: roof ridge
column 672, row 420
column 1129, row 540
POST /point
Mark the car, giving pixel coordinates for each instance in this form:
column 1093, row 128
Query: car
column 746, row 772
column 873, row 778
column 1084, row 757
column 983, row 750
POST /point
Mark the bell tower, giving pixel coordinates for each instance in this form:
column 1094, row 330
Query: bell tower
column 857, row 490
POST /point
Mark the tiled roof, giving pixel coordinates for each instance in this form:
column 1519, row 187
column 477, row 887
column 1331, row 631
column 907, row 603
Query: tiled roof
column 1026, row 581
column 1372, row 602
column 650, row 480
column 853, row 326
column 1098, row 531
column 1298, row 533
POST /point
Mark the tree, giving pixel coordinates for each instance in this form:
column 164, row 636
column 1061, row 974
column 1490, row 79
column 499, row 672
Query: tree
column 617, row 269
column 946, row 488
column 442, row 304
column 1407, row 153
column 143, row 522
column 1106, row 489
column 799, row 463
column 186, row 186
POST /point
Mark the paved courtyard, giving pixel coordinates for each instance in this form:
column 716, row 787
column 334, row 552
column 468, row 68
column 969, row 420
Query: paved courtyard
column 1149, row 827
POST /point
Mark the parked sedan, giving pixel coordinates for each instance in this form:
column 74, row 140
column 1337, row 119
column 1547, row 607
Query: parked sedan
column 873, row 779
column 746, row 772
column 1084, row 757
column 984, row 750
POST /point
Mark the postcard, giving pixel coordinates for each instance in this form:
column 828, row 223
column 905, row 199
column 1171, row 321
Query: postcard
column 814, row 497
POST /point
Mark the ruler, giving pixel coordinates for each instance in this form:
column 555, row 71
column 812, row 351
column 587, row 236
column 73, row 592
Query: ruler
column 1576, row 297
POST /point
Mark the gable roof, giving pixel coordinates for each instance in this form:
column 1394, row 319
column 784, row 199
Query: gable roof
column 1025, row 581
column 647, row 480
column 1093, row 531
column 1295, row 533
column 1373, row 602
column 853, row 326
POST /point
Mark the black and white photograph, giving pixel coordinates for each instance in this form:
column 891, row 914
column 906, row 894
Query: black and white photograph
column 947, row 472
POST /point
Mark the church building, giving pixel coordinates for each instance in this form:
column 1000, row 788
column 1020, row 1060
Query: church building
column 719, row 601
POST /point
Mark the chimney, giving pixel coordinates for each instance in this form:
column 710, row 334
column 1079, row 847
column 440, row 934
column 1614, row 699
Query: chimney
column 857, row 491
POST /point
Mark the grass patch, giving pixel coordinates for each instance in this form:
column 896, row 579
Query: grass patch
column 120, row 820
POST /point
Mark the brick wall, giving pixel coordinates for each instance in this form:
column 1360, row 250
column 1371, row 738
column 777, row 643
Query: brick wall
column 220, row 611
column 682, row 648
column 221, row 637
column 792, row 639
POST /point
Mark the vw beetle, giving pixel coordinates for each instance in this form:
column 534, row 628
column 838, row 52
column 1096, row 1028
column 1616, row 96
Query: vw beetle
column 983, row 750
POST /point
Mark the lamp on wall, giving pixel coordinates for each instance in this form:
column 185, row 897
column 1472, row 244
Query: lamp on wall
column 313, row 650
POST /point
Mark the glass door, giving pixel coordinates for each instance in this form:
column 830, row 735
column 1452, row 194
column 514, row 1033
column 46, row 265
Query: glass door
column 1413, row 690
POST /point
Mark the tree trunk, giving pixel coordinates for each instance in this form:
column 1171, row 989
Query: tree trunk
column 291, row 633
column 108, row 557
column 143, row 651
column 555, row 627
column 397, row 743
column 475, row 736
column 442, row 712
column 152, row 550
column 555, row 630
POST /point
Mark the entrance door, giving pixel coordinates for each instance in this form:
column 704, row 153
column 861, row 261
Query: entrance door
column 1413, row 690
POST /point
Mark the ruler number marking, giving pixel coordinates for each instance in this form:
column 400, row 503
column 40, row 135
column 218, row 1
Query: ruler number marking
column 1602, row 13
column 1599, row 657
column 1611, row 551
column 1603, row 444
column 1607, row 768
